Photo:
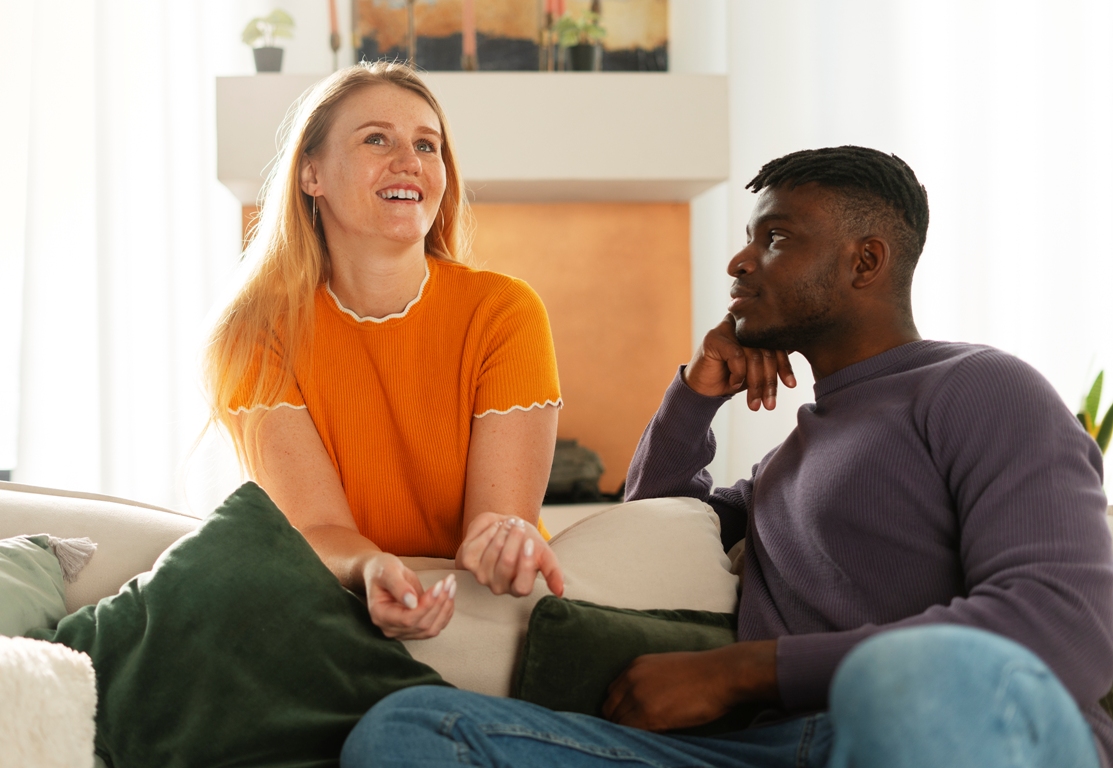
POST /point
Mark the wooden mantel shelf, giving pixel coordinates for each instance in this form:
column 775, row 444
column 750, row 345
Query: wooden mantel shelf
column 526, row 136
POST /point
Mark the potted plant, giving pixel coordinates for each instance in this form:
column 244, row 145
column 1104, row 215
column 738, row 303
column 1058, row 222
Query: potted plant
column 579, row 36
column 265, row 30
column 1099, row 430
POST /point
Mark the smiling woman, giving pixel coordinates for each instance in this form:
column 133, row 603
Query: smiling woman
column 390, row 399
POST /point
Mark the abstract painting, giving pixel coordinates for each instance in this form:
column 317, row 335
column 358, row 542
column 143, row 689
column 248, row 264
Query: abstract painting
column 507, row 32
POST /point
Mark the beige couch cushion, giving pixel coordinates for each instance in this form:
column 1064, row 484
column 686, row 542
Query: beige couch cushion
column 656, row 553
column 129, row 536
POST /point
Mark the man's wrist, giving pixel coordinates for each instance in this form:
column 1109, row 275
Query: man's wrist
column 753, row 671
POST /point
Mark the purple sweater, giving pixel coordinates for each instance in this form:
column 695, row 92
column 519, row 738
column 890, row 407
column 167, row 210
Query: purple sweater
column 933, row 483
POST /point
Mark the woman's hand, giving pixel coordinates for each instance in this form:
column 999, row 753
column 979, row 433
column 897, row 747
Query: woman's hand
column 506, row 553
column 399, row 606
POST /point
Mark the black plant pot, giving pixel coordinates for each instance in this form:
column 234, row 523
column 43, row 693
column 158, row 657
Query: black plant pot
column 268, row 59
column 581, row 58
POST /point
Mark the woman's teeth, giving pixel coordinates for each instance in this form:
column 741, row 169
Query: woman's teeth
column 400, row 194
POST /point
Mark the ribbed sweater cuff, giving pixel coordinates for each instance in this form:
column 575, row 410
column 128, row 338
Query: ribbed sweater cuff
column 807, row 663
column 684, row 406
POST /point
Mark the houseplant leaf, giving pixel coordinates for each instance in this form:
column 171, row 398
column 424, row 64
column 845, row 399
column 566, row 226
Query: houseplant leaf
column 1105, row 430
column 1094, row 398
column 252, row 32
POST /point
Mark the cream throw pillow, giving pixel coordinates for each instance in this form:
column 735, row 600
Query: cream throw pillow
column 654, row 553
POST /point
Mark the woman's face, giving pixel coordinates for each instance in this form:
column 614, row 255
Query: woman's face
column 380, row 174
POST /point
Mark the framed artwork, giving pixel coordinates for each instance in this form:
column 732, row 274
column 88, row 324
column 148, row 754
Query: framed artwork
column 508, row 32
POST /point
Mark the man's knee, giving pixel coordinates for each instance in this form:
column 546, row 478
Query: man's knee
column 903, row 665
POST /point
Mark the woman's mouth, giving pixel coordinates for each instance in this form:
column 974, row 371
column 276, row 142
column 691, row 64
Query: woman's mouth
column 399, row 193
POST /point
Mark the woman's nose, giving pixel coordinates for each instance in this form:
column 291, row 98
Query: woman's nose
column 405, row 160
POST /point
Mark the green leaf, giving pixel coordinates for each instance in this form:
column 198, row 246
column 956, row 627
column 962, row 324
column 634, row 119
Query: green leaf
column 252, row 32
column 1084, row 420
column 1105, row 431
column 279, row 18
column 1094, row 398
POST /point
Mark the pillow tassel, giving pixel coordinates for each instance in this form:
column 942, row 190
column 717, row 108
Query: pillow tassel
column 73, row 555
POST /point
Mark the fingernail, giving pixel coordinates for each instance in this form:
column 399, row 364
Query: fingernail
column 519, row 522
column 527, row 549
column 410, row 600
column 452, row 585
column 437, row 588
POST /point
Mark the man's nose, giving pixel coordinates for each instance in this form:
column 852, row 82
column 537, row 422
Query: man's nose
column 744, row 262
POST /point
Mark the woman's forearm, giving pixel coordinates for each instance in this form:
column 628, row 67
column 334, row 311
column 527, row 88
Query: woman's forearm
column 344, row 551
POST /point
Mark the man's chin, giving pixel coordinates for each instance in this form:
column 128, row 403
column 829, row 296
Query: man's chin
column 771, row 338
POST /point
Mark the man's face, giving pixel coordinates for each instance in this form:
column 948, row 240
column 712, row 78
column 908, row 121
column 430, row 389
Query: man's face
column 786, row 280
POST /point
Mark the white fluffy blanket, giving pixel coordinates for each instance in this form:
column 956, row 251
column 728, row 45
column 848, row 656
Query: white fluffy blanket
column 48, row 697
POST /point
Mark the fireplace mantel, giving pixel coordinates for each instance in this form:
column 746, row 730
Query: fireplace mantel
column 526, row 136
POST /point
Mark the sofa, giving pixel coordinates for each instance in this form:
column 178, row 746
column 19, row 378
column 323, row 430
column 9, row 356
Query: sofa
column 652, row 554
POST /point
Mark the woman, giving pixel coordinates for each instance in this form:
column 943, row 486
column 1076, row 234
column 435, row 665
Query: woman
column 389, row 399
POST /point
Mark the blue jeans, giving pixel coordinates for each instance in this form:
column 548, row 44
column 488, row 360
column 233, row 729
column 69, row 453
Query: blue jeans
column 940, row 695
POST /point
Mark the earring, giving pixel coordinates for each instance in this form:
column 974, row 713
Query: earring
column 314, row 212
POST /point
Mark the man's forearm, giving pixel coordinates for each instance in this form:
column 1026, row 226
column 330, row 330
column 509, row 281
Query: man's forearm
column 675, row 448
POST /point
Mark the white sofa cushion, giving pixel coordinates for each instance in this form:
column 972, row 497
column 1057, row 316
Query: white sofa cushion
column 655, row 553
column 129, row 536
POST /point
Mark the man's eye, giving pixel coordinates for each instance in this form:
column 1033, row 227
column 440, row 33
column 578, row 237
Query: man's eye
column 776, row 237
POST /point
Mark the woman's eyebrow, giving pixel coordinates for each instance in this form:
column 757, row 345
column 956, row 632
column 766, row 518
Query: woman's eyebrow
column 391, row 127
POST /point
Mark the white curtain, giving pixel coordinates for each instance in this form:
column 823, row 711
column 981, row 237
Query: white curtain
column 1004, row 108
column 127, row 238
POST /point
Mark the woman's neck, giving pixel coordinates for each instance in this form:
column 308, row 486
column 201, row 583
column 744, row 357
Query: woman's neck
column 377, row 283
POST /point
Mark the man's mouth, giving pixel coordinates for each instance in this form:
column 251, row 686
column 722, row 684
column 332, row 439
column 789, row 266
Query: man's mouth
column 739, row 298
column 397, row 193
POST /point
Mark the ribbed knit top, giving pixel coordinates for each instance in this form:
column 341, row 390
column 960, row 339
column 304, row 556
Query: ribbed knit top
column 933, row 483
column 393, row 398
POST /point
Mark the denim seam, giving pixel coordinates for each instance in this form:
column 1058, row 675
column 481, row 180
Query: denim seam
column 1007, row 707
column 447, row 726
column 805, row 742
column 614, row 753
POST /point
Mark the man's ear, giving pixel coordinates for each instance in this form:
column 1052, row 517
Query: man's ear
column 307, row 176
column 871, row 261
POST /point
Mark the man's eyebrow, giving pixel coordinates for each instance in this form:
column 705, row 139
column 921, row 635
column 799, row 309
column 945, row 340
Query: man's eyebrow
column 391, row 127
column 766, row 218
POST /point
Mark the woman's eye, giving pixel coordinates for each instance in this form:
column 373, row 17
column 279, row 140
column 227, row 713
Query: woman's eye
column 376, row 138
column 427, row 146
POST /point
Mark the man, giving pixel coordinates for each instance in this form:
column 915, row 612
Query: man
column 927, row 576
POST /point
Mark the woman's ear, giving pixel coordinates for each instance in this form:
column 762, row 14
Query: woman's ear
column 307, row 176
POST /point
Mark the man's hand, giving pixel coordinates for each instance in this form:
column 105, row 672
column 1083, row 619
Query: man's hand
column 505, row 553
column 721, row 367
column 666, row 691
column 399, row 606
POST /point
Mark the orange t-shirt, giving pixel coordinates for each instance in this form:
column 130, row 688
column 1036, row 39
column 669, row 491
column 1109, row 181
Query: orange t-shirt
column 393, row 398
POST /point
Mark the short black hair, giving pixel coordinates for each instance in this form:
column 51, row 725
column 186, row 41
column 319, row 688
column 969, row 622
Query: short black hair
column 875, row 189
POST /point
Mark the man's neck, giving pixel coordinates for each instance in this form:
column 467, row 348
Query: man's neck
column 859, row 343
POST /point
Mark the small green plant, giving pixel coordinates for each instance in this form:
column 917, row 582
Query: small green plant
column 584, row 29
column 1099, row 430
column 268, row 28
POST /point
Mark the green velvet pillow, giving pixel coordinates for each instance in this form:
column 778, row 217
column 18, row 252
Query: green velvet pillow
column 239, row 648
column 575, row 649
column 32, row 595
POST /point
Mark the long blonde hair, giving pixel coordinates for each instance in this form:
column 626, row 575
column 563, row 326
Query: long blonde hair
column 288, row 258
